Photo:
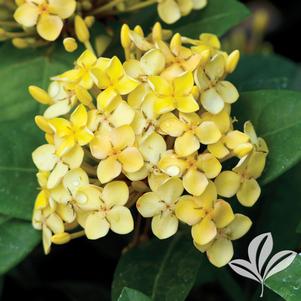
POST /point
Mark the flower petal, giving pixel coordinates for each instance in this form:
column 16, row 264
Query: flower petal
column 186, row 144
column 222, row 214
column 131, row 159
column 108, row 170
column 208, row 132
column 204, row 232
column 238, row 227
column 227, row 183
column 122, row 115
column 186, row 104
column 62, row 8
column 249, row 192
column 121, row 220
column 164, row 226
column 171, row 190
column 212, row 101
column 27, row 14
column 209, row 165
column 115, row 193
column 149, row 204
column 220, row 252
column 96, row 226
column 169, row 11
column 44, row 157
column 49, row 27
column 74, row 157
column 195, row 182
column 75, row 179
column 56, row 175
column 79, row 117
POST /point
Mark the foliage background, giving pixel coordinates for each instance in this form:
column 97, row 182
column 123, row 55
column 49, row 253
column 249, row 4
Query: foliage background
column 84, row 270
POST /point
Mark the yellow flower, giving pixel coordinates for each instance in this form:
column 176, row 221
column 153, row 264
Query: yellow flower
column 205, row 214
column 215, row 91
column 190, row 131
column 111, row 212
column 176, row 94
column 73, row 132
column 112, row 78
column 117, row 153
column 160, row 205
column 195, row 170
column 220, row 250
column 46, row 14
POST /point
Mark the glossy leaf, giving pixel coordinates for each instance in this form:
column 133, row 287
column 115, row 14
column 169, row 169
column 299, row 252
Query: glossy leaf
column 258, row 71
column 163, row 270
column 276, row 115
column 129, row 294
column 17, row 239
column 288, row 282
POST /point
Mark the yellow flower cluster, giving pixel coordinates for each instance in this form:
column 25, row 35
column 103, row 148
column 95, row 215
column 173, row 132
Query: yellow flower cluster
column 153, row 131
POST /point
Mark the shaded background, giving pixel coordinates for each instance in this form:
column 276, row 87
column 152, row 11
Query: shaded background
column 83, row 270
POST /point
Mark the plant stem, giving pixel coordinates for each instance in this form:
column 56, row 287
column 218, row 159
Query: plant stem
column 106, row 7
column 141, row 5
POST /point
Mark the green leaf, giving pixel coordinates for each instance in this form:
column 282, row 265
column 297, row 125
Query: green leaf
column 287, row 283
column 258, row 71
column 217, row 17
column 276, row 115
column 299, row 228
column 164, row 270
column 129, row 294
column 17, row 239
column 19, row 135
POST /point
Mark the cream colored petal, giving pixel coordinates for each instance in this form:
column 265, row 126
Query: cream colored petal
column 209, row 165
column 171, row 190
column 122, row 137
column 186, row 145
column 58, row 109
column 153, row 147
column 183, row 84
column 234, row 138
column 79, row 117
column 212, row 101
column 152, row 62
column 227, row 91
column 96, row 226
column 121, row 220
column 195, row 182
column 218, row 149
column 208, row 132
column 163, row 105
column 74, row 157
column 46, row 238
column 199, row 4
column 256, row 164
column 122, row 115
column 221, row 252
column 88, row 197
column 171, row 125
column 108, row 169
column 108, row 99
column 164, row 226
column 141, row 174
column 222, row 214
column 57, row 175
column 131, row 159
column 155, row 180
column 44, row 157
column 75, row 179
column 249, row 192
column 115, row 193
column 60, row 194
column 49, row 27
column 227, row 183
column 208, row 197
column 188, row 210
column 66, row 212
column 126, row 85
column 185, row 7
column 204, row 231
column 238, row 227
column 222, row 120
column 100, row 146
column 55, row 223
column 169, row 11
column 150, row 204
column 62, row 8
column 27, row 14
column 215, row 69
column 160, row 85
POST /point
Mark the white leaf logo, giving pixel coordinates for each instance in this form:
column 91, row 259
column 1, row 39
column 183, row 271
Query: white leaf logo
column 259, row 250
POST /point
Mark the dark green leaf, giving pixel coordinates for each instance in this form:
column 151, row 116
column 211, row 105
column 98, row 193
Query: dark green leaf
column 217, row 17
column 276, row 115
column 129, row 294
column 164, row 270
column 19, row 135
column 287, row 283
column 256, row 72
column 299, row 228
column 17, row 239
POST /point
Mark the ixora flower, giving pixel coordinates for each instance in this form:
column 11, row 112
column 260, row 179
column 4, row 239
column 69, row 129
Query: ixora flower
column 153, row 131
column 47, row 15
